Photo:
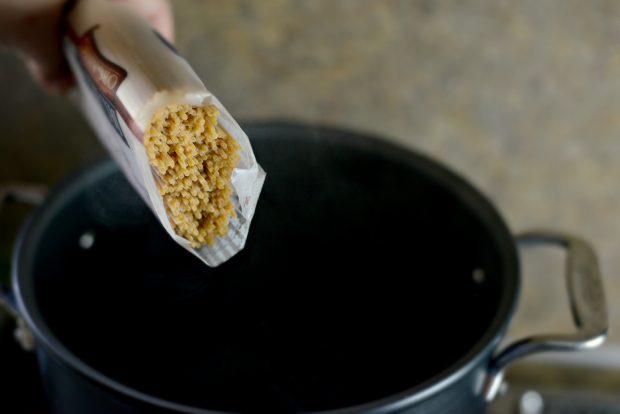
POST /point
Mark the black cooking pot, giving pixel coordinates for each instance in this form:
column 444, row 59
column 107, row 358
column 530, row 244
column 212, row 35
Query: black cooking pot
column 373, row 280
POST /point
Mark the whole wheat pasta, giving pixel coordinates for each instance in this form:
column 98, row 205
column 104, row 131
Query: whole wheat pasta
column 193, row 158
column 174, row 141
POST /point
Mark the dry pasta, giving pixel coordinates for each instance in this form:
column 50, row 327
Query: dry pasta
column 193, row 158
column 182, row 159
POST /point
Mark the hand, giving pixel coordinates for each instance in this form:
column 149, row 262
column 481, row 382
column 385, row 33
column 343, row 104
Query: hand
column 33, row 29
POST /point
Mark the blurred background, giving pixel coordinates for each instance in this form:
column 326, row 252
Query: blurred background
column 520, row 97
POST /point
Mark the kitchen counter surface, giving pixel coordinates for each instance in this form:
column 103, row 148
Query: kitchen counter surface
column 520, row 97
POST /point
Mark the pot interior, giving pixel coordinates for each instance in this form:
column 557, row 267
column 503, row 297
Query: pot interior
column 368, row 271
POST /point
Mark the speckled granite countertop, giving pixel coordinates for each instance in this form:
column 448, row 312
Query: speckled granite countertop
column 520, row 97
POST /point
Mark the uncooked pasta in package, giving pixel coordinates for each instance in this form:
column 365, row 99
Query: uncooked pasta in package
column 174, row 141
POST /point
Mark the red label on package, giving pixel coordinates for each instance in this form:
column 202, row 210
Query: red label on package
column 106, row 76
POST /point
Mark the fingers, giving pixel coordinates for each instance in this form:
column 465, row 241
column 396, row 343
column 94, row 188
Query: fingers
column 53, row 78
column 35, row 34
column 157, row 12
column 33, row 28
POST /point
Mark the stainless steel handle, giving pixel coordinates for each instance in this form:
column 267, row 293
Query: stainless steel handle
column 22, row 333
column 587, row 302
column 29, row 194
column 32, row 194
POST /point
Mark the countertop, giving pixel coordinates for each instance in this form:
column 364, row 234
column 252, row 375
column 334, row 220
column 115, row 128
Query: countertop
column 522, row 98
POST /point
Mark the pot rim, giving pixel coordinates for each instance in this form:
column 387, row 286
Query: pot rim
column 476, row 357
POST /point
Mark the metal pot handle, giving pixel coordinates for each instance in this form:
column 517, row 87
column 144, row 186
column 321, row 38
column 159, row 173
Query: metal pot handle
column 27, row 194
column 587, row 302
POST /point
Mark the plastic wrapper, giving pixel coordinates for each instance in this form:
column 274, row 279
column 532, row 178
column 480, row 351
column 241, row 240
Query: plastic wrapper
column 126, row 72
